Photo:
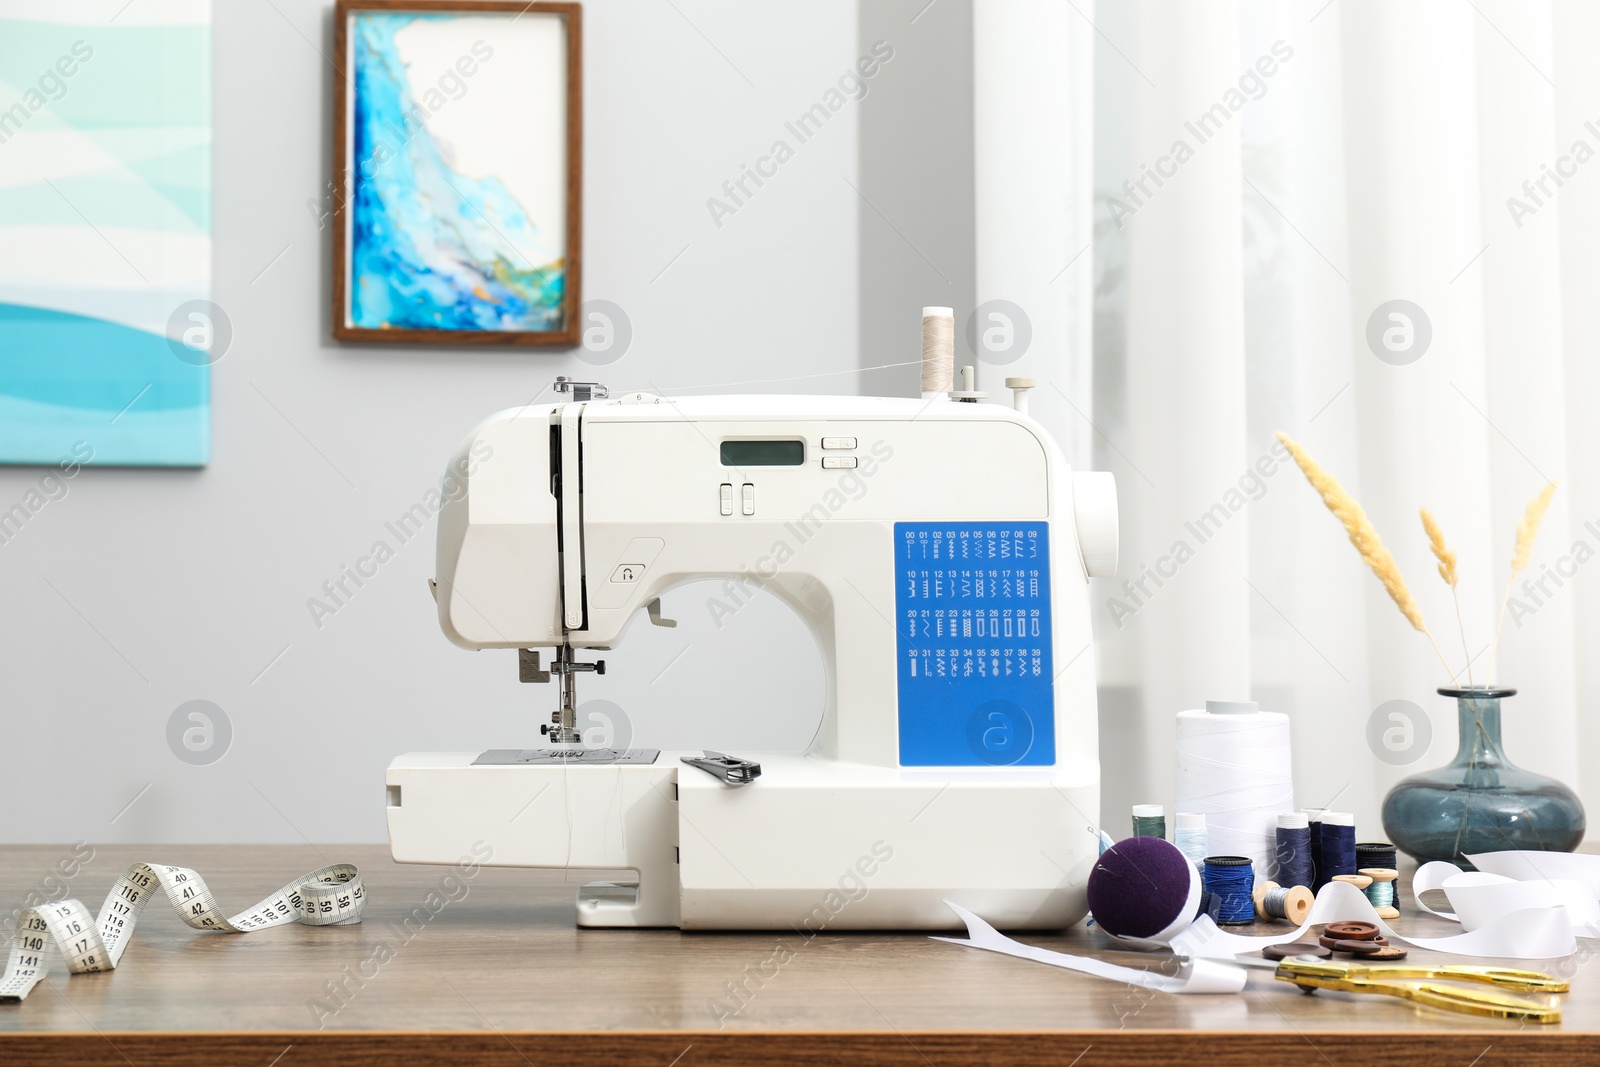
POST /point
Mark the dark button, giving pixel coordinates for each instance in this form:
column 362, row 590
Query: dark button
column 1353, row 930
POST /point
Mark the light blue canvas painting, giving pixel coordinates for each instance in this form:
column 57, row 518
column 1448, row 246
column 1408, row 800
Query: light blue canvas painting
column 456, row 172
column 105, row 233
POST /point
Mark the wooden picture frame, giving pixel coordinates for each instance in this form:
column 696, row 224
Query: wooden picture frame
column 402, row 271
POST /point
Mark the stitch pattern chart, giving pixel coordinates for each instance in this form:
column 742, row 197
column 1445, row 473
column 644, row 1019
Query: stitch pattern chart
column 973, row 629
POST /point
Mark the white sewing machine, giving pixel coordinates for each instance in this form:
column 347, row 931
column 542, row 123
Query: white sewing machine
column 939, row 552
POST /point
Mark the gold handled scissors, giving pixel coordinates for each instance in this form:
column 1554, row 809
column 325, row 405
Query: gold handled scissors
column 1311, row 973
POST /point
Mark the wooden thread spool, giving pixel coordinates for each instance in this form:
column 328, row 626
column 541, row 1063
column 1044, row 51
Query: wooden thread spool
column 1293, row 904
column 1360, row 881
column 1383, row 899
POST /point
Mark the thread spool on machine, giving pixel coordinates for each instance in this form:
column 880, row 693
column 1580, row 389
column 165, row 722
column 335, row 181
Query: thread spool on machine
column 939, row 359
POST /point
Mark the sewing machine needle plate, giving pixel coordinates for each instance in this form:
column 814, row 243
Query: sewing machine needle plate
column 586, row 757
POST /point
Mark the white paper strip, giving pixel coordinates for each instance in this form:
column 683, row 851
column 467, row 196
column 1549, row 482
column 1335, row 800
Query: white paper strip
column 1199, row 976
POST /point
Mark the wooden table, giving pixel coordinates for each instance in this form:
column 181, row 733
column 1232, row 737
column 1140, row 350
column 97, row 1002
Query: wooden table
column 492, row 970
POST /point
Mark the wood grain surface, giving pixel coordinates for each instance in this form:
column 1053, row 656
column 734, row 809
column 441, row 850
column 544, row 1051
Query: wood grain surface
column 451, row 969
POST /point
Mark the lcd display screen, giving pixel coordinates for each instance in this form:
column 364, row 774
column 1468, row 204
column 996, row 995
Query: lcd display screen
column 763, row 453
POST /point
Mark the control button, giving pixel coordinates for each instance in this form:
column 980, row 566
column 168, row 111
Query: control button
column 838, row 442
column 838, row 462
column 727, row 498
column 749, row 499
column 627, row 573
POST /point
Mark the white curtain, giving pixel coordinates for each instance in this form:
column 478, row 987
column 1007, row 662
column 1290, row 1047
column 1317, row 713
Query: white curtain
column 1260, row 182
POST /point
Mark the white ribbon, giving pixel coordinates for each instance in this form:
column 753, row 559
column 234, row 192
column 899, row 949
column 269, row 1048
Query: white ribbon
column 1527, row 866
column 1533, row 933
column 1515, row 881
column 1519, row 905
column 1199, row 976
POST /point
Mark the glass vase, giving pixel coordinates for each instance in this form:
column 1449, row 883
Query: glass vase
column 1480, row 801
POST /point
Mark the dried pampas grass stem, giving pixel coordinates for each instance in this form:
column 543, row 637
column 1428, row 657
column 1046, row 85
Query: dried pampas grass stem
column 1364, row 537
column 1447, row 571
column 1527, row 532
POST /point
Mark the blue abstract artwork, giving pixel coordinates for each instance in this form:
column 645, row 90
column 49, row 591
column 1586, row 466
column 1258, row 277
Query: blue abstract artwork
column 106, row 328
column 456, row 172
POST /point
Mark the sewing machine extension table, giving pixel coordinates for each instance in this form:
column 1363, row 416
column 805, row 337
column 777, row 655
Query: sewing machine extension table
column 491, row 970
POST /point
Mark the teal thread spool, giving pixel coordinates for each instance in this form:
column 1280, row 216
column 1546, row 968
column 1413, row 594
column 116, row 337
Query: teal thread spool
column 1383, row 893
column 1375, row 856
column 1150, row 820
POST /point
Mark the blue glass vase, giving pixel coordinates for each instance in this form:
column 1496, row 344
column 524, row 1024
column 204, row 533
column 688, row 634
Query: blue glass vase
column 1480, row 801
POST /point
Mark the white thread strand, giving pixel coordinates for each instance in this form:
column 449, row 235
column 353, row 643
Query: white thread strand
column 1235, row 769
column 793, row 378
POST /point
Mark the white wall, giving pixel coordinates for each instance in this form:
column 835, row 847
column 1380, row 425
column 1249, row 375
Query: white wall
column 144, row 589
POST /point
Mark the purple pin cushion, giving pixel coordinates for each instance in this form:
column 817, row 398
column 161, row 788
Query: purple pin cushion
column 1144, row 887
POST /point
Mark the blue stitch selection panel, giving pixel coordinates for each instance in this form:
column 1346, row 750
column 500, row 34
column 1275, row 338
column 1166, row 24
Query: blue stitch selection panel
column 972, row 605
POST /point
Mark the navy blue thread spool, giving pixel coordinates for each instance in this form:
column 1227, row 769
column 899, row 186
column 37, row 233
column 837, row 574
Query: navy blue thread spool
column 1314, row 822
column 1229, row 880
column 1337, row 851
column 1294, row 866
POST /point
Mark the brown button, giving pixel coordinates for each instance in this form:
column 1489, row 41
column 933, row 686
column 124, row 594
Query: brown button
column 1296, row 948
column 1387, row 952
column 1353, row 930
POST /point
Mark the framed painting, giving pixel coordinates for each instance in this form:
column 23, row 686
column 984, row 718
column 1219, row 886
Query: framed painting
column 107, row 332
column 458, row 137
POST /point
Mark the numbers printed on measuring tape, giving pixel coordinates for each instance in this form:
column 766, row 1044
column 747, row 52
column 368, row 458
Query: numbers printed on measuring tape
column 327, row 897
